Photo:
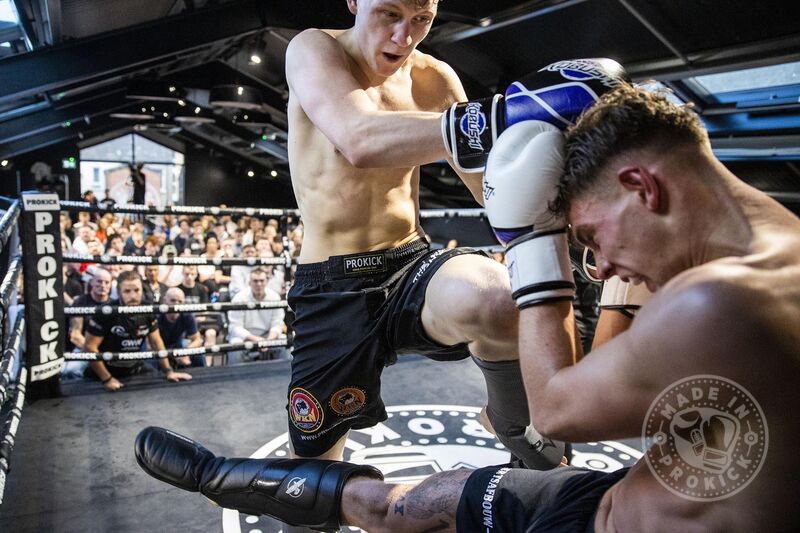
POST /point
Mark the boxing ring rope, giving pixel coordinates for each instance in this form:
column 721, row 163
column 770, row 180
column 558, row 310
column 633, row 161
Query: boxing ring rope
column 10, row 356
column 177, row 210
column 179, row 308
column 175, row 352
column 8, row 222
column 177, row 260
column 10, row 425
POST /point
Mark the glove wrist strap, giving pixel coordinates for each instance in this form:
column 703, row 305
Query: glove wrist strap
column 469, row 130
column 540, row 268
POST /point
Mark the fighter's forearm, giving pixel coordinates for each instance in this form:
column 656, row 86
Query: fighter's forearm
column 385, row 139
column 547, row 345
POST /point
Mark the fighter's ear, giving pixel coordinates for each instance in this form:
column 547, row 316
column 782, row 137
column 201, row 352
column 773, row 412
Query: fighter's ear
column 352, row 5
column 641, row 181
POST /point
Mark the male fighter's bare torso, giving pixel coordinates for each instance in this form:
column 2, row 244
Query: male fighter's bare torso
column 347, row 209
column 760, row 351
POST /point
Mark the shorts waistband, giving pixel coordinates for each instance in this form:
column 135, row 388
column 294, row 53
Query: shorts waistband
column 361, row 265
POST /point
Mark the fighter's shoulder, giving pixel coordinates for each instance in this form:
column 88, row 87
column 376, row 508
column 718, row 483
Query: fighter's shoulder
column 716, row 295
column 436, row 74
column 313, row 40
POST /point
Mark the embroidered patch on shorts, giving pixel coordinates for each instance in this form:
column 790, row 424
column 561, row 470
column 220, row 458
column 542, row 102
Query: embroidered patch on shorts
column 360, row 264
column 347, row 401
column 304, row 410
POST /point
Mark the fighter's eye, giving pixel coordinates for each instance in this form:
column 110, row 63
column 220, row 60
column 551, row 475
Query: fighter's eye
column 424, row 20
column 390, row 14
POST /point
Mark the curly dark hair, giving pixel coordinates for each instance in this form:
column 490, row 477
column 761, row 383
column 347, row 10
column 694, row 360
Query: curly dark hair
column 624, row 119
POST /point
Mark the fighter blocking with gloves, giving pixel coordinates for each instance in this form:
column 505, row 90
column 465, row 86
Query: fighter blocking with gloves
column 638, row 183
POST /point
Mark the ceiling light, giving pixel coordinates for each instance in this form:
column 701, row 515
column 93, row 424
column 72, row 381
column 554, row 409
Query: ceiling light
column 236, row 96
column 255, row 59
column 274, row 173
column 156, row 90
column 250, row 173
column 4, row 163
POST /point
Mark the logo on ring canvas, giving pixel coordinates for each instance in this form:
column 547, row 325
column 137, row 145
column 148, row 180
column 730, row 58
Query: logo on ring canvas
column 348, row 401
column 706, row 438
column 416, row 441
column 304, row 410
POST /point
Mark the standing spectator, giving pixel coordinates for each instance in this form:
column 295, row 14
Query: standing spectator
column 255, row 325
column 179, row 330
column 138, row 182
column 81, row 243
column 85, row 219
column 183, row 238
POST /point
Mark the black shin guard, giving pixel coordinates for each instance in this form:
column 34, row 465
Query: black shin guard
column 507, row 409
column 303, row 492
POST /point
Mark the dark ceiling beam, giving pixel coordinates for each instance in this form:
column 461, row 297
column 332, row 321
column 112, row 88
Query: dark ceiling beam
column 750, row 55
column 35, row 123
column 70, row 63
column 52, row 10
column 270, row 147
column 80, row 130
column 654, row 31
column 25, row 23
column 202, row 136
column 452, row 32
column 74, row 62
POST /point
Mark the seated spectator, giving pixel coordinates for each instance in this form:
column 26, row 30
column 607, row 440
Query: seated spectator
column 154, row 290
column 66, row 227
column 195, row 293
column 170, row 275
column 115, row 244
column 73, row 287
column 135, row 243
column 125, row 333
column 151, row 247
column 81, row 243
column 210, row 275
column 240, row 274
column 197, row 243
column 255, row 325
column 179, row 330
column 85, row 219
column 182, row 239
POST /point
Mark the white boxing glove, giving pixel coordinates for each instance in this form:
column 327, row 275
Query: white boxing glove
column 521, row 180
column 623, row 296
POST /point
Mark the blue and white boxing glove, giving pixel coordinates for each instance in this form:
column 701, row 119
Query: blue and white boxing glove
column 556, row 94
column 521, row 180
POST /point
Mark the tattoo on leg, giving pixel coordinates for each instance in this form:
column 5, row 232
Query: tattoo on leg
column 400, row 505
column 437, row 495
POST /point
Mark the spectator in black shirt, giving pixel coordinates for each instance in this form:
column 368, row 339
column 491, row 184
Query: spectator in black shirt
column 154, row 290
column 179, row 330
column 195, row 293
column 125, row 333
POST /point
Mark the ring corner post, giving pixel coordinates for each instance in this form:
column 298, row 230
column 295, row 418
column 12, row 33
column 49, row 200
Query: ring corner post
column 43, row 292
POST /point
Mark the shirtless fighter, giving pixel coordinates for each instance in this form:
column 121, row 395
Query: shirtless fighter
column 365, row 110
column 644, row 191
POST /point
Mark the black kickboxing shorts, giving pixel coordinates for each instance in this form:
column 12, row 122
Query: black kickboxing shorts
column 353, row 315
column 498, row 498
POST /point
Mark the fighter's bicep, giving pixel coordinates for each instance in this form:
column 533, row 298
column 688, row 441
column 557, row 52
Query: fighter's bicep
column 605, row 394
column 320, row 78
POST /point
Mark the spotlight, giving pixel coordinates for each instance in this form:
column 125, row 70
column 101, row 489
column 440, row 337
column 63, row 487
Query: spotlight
column 236, row 96
column 250, row 173
column 4, row 163
column 255, row 59
column 274, row 173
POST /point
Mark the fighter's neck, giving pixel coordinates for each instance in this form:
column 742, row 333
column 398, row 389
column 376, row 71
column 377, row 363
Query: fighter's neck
column 725, row 229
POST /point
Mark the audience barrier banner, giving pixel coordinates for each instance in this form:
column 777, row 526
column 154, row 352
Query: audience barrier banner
column 44, row 307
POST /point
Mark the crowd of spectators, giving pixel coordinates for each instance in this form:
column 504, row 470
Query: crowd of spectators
column 169, row 235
